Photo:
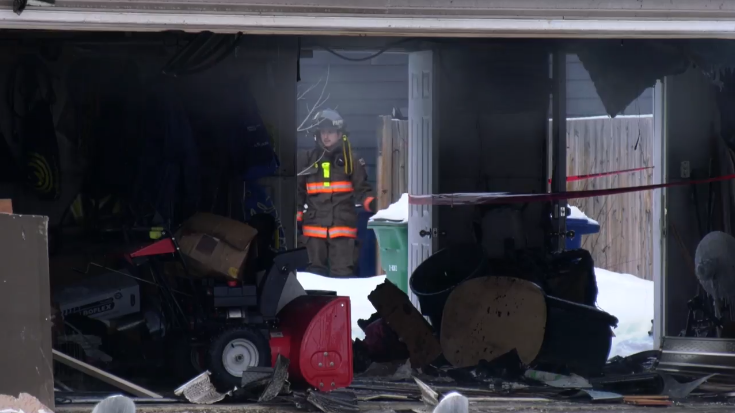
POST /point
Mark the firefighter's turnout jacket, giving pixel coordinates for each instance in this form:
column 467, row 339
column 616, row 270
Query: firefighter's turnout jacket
column 330, row 184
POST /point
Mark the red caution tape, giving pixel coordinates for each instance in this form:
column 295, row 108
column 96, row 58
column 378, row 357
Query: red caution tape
column 601, row 174
column 481, row 198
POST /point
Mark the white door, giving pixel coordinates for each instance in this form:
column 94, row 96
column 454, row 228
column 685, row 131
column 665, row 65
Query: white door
column 421, row 158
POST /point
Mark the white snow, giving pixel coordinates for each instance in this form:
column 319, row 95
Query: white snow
column 578, row 214
column 630, row 299
column 625, row 296
column 355, row 288
column 396, row 212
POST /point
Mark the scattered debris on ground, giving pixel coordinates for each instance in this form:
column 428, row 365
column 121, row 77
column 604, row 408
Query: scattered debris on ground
column 500, row 340
column 24, row 403
column 200, row 390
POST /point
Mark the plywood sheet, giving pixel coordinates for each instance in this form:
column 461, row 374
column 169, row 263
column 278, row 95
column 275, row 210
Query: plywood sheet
column 484, row 318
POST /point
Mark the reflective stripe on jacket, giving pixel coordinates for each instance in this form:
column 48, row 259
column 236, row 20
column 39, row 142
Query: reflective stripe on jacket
column 330, row 191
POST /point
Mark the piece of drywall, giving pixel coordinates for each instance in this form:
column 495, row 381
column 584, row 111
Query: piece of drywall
column 25, row 305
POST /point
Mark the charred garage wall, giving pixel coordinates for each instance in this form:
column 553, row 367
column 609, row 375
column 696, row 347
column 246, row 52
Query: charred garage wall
column 129, row 67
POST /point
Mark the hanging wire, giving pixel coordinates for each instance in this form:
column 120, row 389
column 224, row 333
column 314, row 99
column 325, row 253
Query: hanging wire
column 366, row 58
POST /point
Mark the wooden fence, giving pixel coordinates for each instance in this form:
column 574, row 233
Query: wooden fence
column 625, row 241
column 392, row 160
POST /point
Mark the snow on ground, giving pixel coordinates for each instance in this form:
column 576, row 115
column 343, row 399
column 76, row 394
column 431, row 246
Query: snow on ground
column 355, row 288
column 630, row 299
column 625, row 296
column 578, row 214
column 397, row 211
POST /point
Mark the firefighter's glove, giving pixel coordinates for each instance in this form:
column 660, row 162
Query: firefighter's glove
column 300, row 222
column 372, row 205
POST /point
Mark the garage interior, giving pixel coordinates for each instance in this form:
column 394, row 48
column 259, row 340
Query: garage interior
column 119, row 138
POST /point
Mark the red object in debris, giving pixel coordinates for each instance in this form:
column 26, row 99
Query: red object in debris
column 164, row 246
column 232, row 283
column 383, row 344
column 317, row 338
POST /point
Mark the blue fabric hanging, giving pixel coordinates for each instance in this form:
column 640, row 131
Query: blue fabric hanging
column 257, row 201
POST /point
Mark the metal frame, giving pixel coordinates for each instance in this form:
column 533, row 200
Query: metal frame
column 499, row 18
column 559, row 150
column 698, row 357
column 659, row 213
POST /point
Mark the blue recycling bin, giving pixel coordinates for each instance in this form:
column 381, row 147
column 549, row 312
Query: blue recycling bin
column 366, row 264
column 580, row 226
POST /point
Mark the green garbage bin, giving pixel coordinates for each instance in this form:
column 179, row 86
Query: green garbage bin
column 393, row 244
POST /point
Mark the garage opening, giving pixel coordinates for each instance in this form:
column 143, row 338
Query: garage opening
column 188, row 178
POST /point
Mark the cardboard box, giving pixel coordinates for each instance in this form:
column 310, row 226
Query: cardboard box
column 104, row 297
column 215, row 246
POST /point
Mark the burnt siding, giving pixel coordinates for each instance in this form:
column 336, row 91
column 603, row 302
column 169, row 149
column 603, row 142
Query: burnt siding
column 360, row 92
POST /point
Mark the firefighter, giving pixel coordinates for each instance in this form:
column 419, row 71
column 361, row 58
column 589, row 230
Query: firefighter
column 330, row 184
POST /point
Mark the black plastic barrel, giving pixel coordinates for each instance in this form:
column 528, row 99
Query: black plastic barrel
column 578, row 337
column 435, row 278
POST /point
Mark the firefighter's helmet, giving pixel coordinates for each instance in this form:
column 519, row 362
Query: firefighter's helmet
column 328, row 119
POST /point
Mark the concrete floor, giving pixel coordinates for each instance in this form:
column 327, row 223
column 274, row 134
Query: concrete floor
column 480, row 407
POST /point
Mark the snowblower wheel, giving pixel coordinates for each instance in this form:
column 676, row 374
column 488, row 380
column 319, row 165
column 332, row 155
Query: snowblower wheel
column 232, row 352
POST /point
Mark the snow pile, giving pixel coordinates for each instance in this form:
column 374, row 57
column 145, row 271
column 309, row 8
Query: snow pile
column 396, row 212
column 625, row 296
column 630, row 299
column 578, row 214
column 355, row 288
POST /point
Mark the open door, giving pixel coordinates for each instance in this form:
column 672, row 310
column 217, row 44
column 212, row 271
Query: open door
column 422, row 158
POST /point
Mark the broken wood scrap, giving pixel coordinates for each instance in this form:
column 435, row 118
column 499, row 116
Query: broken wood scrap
column 428, row 395
column 384, row 396
column 104, row 376
column 649, row 402
column 411, row 388
column 405, row 320
column 337, row 401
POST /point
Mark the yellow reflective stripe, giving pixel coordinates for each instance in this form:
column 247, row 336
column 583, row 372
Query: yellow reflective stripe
column 325, row 168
